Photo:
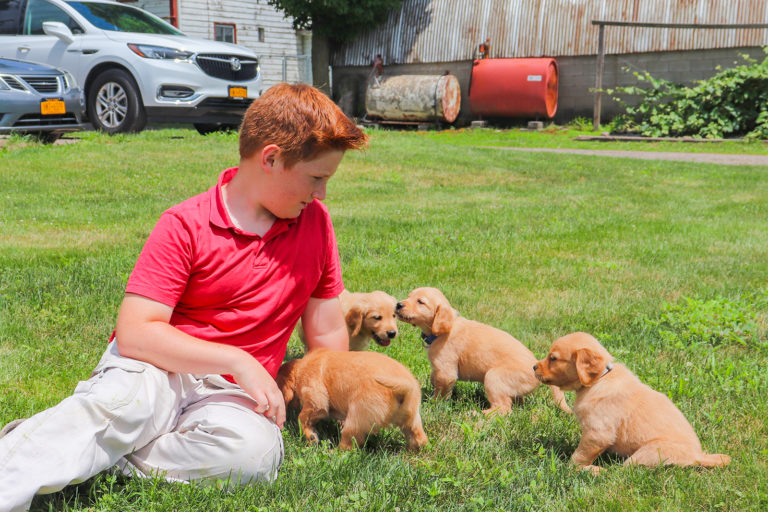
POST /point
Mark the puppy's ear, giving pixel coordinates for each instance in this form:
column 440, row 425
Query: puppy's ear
column 589, row 365
column 444, row 317
column 354, row 320
column 285, row 380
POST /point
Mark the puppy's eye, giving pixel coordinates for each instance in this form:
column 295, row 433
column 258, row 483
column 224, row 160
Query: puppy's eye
column 552, row 358
column 377, row 317
column 420, row 301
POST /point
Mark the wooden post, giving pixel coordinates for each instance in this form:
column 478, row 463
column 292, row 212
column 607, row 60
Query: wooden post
column 599, row 78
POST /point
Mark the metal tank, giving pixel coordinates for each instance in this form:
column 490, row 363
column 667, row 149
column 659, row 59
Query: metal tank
column 414, row 98
column 514, row 88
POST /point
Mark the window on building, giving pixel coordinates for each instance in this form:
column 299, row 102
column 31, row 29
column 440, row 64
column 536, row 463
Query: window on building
column 225, row 32
column 261, row 34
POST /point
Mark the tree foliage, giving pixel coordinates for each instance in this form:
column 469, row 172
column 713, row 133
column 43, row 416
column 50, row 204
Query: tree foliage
column 339, row 20
column 734, row 102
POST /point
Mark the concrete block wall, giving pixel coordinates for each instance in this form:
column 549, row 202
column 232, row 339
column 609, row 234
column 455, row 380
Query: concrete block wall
column 577, row 78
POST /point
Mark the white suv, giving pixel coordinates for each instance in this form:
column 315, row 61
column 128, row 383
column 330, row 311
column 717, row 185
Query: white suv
column 132, row 65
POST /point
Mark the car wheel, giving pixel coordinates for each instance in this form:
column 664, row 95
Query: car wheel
column 114, row 104
column 206, row 128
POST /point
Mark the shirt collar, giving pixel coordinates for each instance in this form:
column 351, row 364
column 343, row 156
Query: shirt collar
column 220, row 218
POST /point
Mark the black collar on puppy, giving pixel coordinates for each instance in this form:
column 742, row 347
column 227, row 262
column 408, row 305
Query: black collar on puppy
column 428, row 339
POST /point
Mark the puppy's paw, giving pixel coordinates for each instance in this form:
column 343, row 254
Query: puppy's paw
column 592, row 469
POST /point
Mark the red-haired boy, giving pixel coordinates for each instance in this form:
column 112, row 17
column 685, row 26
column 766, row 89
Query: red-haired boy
column 186, row 388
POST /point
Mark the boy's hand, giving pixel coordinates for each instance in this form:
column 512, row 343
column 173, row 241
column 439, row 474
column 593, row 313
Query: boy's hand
column 260, row 385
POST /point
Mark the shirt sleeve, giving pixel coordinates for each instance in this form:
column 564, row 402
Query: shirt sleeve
column 162, row 271
column 330, row 284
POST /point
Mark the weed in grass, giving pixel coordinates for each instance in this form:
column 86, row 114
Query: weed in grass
column 714, row 322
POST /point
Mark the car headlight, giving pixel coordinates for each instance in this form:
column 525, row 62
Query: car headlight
column 158, row 52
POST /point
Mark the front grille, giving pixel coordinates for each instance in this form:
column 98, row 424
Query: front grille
column 44, row 84
column 220, row 66
column 38, row 120
column 13, row 83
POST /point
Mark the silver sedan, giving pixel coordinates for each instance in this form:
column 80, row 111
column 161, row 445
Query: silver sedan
column 39, row 99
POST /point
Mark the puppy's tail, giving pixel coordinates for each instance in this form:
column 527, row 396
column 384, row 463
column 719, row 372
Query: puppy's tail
column 713, row 460
column 559, row 397
column 401, row 388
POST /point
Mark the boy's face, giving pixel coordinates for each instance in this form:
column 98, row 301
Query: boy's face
column 293, row 188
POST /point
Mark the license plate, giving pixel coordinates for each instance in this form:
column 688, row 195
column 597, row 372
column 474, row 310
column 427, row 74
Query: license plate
column 52, row 107
column 240, row 93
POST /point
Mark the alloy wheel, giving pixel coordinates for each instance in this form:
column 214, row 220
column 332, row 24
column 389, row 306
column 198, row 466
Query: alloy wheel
column 111, row 104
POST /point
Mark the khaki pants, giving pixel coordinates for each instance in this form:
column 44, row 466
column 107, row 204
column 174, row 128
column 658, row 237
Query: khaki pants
column 180, row 427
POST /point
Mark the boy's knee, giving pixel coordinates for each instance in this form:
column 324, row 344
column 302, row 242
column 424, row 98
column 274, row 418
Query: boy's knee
column 257, row 454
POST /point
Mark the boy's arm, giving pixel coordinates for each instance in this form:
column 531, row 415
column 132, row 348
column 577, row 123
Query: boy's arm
column 144, row 333
column 324, row 325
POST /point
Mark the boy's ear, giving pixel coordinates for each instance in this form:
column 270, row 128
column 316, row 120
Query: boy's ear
column 589, row 365
column 354, row 320
column 269, row 156
column 444, row 317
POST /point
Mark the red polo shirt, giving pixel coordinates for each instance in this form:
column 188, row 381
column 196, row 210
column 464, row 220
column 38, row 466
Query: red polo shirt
column 234, row 287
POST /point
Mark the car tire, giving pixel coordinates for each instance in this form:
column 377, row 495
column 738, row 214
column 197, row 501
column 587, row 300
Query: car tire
column 114, row 103
column 206, row 128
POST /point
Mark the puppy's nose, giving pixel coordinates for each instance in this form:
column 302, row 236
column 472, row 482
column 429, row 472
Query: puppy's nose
column 391, row 334
column 535, row 367
column 399, row 306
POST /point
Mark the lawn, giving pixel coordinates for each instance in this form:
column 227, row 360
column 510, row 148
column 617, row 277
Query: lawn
column 665, row 262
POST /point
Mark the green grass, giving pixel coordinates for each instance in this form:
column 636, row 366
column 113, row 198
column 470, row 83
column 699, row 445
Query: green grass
column 554, row 136
column 656, row 258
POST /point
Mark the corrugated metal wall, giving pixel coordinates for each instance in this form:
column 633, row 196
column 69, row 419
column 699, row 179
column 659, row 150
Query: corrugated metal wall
column 451, row 30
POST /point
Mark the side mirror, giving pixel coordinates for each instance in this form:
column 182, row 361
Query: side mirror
column 58, row 29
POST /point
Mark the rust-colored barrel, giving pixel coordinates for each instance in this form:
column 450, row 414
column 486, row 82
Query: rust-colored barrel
column 514, row 87
column 414, row 98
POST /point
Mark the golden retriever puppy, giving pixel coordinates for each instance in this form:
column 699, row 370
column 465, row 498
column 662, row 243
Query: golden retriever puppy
column 369, row 316
column 462, row 349
column 617, row 412
column 365, row 390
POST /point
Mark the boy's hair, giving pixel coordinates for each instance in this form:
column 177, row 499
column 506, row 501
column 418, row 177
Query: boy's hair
column 300, row 119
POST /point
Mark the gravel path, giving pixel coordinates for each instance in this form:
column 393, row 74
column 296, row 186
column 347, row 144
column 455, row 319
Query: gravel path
column 707, row 158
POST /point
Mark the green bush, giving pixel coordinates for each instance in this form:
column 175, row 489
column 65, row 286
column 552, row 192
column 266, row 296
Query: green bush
column 734, row 102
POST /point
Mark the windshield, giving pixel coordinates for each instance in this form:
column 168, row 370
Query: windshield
column 122, row 18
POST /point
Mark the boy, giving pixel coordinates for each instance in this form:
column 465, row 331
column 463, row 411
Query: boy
column 186, row 388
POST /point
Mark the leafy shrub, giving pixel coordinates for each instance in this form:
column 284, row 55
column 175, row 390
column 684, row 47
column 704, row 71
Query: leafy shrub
column 580, row 123
column 734, row 102
column 714, row 322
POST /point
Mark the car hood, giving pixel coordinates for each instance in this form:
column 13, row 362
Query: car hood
column 184, row 43
column 12, row 66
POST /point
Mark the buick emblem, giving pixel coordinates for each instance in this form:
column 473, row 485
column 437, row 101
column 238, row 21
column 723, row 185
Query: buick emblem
column 234, row 62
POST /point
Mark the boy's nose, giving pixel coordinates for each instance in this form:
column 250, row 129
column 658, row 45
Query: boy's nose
column 319, row 192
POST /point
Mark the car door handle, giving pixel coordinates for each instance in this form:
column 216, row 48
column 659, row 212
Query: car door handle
column 24, row 49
